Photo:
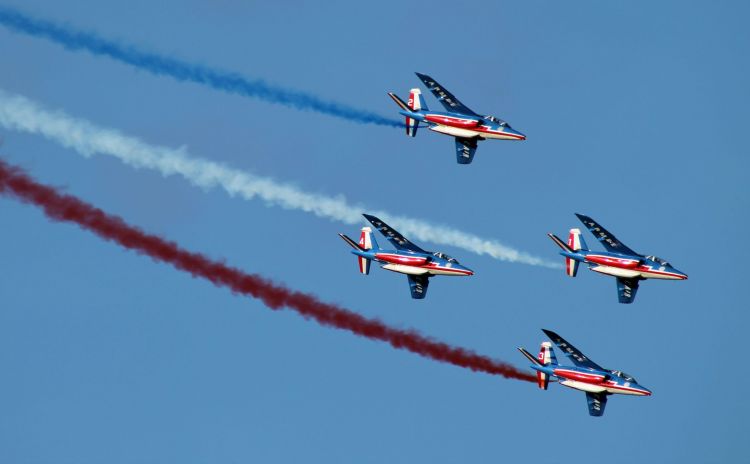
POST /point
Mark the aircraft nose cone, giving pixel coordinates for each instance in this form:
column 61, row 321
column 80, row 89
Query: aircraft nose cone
column 468, row 271
column 519, row 134
column 647, row 392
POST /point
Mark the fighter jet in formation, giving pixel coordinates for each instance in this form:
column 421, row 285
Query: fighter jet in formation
column 619, row 261
column 418, row 265
column 586, row 375
column 458, row 120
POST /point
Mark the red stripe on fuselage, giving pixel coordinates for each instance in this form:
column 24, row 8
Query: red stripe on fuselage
column 579, row 376
column 448, row 269
column 617, row 386
column 622, row 263
column 452, row 121
column 486, row 129
column 401, row 259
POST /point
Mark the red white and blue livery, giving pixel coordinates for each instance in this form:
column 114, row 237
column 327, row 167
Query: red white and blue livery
column 418, row 265
column 619, row 261
column 458, row 120
column 585, row 375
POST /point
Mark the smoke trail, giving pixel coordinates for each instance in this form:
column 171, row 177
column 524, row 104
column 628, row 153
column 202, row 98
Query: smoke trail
column 61, row 207
column 20, row 114
column 226, row 81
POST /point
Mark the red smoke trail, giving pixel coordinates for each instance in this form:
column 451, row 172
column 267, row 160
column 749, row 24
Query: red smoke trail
column 61, row 207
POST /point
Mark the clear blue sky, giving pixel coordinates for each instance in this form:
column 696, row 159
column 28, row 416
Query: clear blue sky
column 635, row 115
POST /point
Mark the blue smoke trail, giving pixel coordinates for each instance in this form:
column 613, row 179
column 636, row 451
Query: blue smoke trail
column 183, row 71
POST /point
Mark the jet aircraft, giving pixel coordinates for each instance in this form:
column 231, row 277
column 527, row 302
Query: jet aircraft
column 619, row 261
column 418, row 265
column 458, row 120
column 586, row 375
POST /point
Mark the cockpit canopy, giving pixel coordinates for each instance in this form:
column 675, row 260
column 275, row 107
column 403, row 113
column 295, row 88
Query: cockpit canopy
column 624, row 376
column 496, row 120
column 440, row 255
column 658, row 260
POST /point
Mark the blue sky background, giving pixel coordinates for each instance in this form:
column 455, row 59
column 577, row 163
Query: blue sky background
column 635, row 115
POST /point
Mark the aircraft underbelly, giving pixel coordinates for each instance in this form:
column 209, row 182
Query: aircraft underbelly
column 621, row 391
column 443, row 272
column 455, row 131
column 490, row 135
column 654, row 275
column 587, row 387
column 403, row 269
column 616, row 271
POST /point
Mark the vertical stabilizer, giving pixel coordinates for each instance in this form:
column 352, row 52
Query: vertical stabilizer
column 415, row 103
column 365, row 239
column 366, row 242
column 575, row 243
column 546, row 357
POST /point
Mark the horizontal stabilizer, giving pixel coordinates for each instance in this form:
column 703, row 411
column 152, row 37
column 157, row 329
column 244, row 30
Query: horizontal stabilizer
column 560, row 243
column 351, row 242
column 399, row 102
column 529, row 356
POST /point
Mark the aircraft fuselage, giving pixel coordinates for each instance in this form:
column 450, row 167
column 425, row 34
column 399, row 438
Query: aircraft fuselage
column 415, row 263
column 625, row 266
column 461, row 125
column 593, row 381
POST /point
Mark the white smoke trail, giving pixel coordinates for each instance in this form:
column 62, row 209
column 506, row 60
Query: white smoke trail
column 21, row 114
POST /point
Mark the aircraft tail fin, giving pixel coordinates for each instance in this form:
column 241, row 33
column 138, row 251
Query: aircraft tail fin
column 546, row 357
column 560, row 243
column 366, row 239
column 574, row 240
column 575, row 243
column 366, row 242
column 416, row 102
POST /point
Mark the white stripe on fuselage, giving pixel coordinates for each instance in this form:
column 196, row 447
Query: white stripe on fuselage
column 486, row 133
column 609, row 387
column 429, row 269
column 630, row 273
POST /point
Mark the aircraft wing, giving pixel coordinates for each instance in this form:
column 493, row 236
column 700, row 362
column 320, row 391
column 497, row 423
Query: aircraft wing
column 392, row 235
column 575, row 355
column 447, row 99
column 418, row 286
column 597, row 402
column 626, row 289
column 465, row 149
column 609, row 241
